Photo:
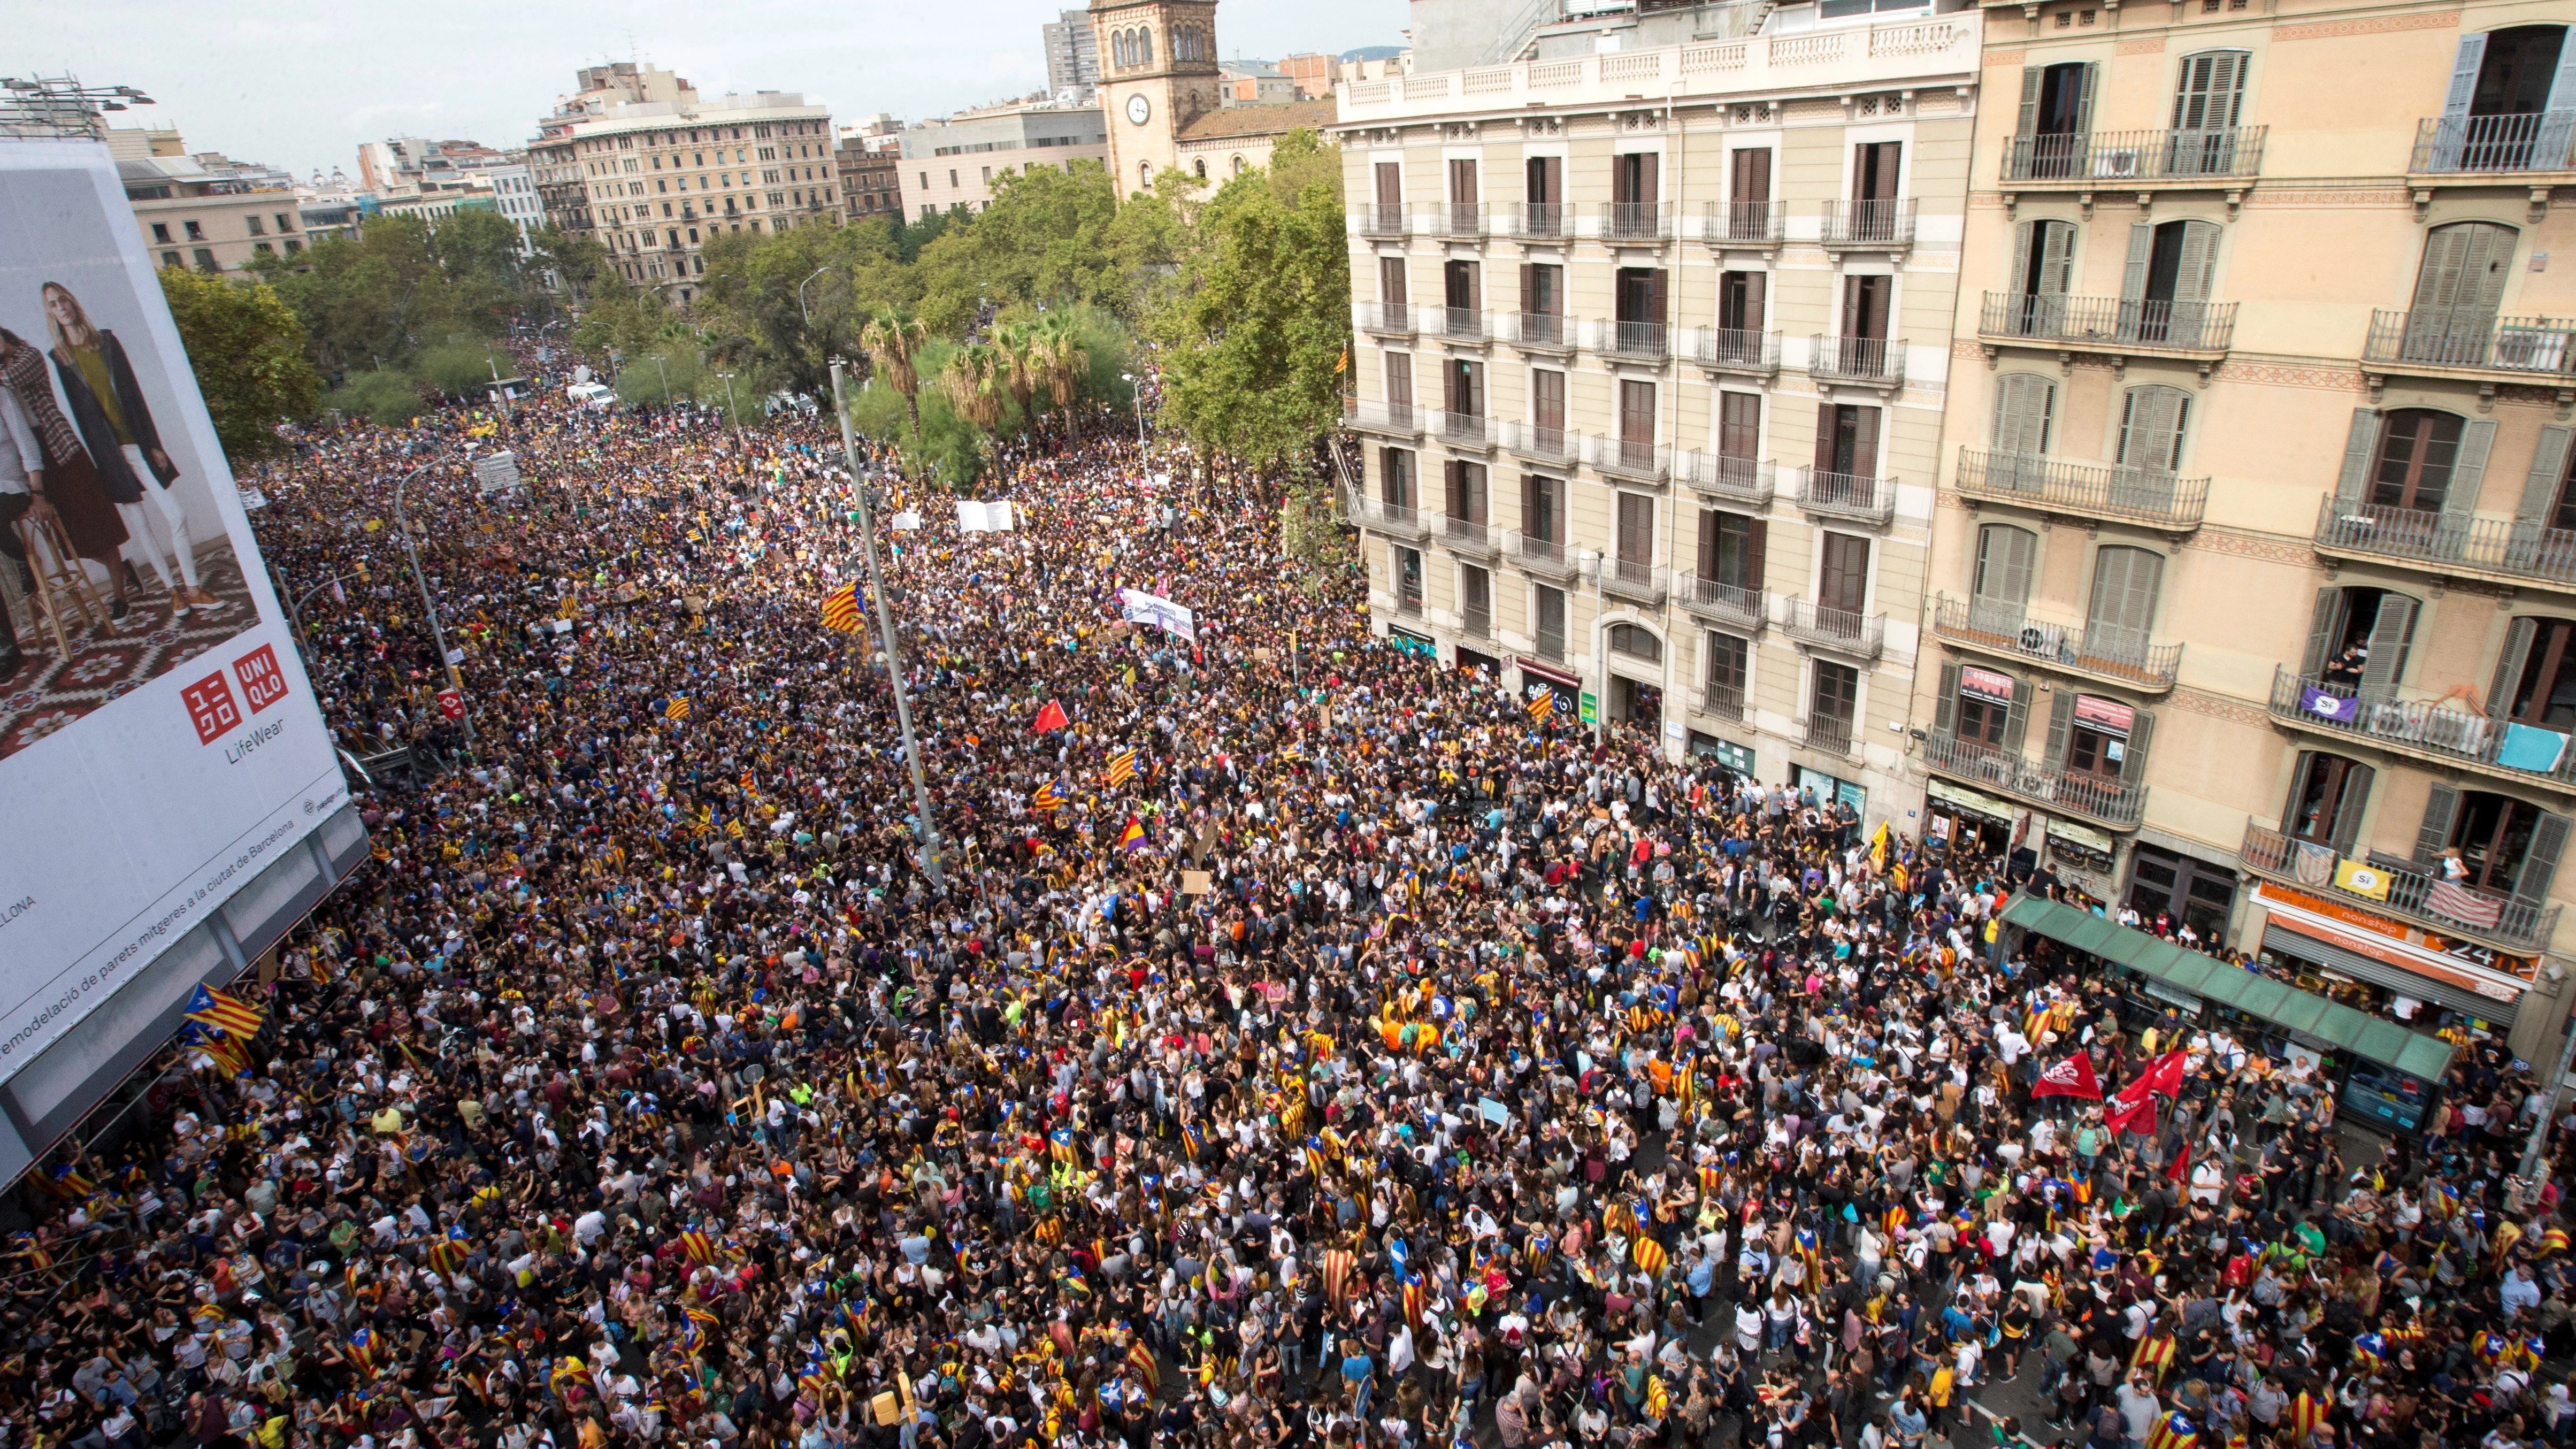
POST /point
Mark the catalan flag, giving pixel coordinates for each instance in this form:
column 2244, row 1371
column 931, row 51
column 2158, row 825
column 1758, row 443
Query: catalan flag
column 1542, row 705
column 841, row 609
column 1133, row 837
column 1122, row 767
column 700, row 1247
column 677, row 709
column 1147, row 1367
column 1650, row 1255
column 1048, row 797
column 222, row 1009
column 1339, row 1266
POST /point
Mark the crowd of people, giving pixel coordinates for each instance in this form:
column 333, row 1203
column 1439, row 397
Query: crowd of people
column 1287, row 1041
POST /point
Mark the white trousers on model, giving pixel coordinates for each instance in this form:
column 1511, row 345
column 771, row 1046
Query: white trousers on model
column 173, row 520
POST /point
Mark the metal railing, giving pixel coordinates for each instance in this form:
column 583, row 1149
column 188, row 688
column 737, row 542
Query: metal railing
column 1402, row 519
column 1868, row 225
column 2110, row 802
column 2534, row 346
column 1551, row 643
column 1738, row 349
column 1636, row 221
column 1399, row 419
column 1855, row 359
column 1538, row 329
column 1539, row 220
column 2135, row 495
column 1855, row 496
column 2532, row 141
column 1379, row 219
column 1843, row 630
column 1473, row 430
column 1744, row 224
column 2423, row 725
column 1747, row 481
column 1542, row 555
column 1627, row 457
column 1462, row 324
column 2137, row 156
column 1829, row 732
column 2498, row 545
column 1467, row 536
column 1389, row 317
column 1635, row 339
column 1465, row 218
column 2104, row 651
column 2110, row 321
column 1723, row 701
column 1633, row 579
column 1538, row 444
column 1747, row 609
column 1477, row 623
column 1408, row 604
column 2522, row 926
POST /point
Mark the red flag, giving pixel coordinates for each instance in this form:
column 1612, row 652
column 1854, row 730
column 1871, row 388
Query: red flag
column 1050, row 718
column 2182, row 1159
column 2132, row 1109
column 2165, row 1077
column 2072, row 1077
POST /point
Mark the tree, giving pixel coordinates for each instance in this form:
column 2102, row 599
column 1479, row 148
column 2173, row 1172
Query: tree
column 247, row 351
column 1045, row 238
column 891, row 340
column 1060, row 361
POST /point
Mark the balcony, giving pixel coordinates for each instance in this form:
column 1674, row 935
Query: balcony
column 1459, row 324
column 1628, row 458
column 1476, row 623
column 2105, row 802
column 1550, row 447
column 1386, row 319
column 1737, row 350
column 1538, row 331
column 2522, row 928
column 1829, row 733
column 1409, row 605
column 2109, row 324
column 1382, row 220
column 1467, row 538
column 2103, row 654
column 1723, row 604
column 1861, row 361
column 2498, row 550
column 1395, row 520
column 2473, row 346
column 2418, row 728
column 1634, row 580
column 1860, row 636
column 1852, row 496
column 1465, row 430
column 1744, row 225
column 1542, row 556
column 1636, row 341
column 2116, row 494
column 1721, row 701
column 1739, row 482
column 1463, row 220
column 1868, row 226
column 1538, row 221
column 1636, row 223
column 2135, row 160
column 1393, row 420
column 2493, row 145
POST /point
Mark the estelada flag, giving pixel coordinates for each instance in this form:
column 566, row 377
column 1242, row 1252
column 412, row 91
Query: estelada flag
column 2072, row 1077
column 1050, row 718
column 219, row 1008
column 841, row 609
column 1047, row 798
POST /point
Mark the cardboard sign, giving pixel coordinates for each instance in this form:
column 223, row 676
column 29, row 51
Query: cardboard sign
column 1196, row 883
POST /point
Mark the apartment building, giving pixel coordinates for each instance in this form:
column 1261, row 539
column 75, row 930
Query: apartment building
column 956, row 162
column 660, row 176
column 216, row 221
column 871, row 171
column 1652, row 341
column 1072, row 53
column 2253, row 583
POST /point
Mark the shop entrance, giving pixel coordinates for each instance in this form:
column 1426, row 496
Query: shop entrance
column 1635, row 702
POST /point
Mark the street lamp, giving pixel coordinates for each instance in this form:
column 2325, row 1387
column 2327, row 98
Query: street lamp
column 1136, row 394
column 809, row 281
column 437, row 636
column 666, row 378
column 730, row 409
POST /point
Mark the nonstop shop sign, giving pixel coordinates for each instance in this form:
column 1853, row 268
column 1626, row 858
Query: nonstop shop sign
column 138, row 806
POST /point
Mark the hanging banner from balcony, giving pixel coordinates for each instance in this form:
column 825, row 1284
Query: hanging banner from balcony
column 2354, row 878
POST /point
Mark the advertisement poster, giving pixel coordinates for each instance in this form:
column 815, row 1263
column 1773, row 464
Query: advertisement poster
column 158, row 741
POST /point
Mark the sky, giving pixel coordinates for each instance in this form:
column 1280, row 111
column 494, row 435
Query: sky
column 300, row 83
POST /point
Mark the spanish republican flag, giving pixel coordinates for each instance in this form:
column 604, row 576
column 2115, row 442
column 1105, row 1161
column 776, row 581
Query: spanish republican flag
column 1133, row 837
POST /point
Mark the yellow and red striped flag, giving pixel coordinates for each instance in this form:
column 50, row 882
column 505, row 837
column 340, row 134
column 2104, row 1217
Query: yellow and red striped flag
column 841, row 609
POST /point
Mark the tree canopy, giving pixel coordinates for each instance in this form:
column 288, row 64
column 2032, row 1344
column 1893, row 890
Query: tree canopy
column 247, row 351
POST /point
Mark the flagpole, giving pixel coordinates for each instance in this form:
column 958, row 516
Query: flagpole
column 885, row 632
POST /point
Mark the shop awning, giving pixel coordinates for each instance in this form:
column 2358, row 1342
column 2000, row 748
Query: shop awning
column 2331, row 1022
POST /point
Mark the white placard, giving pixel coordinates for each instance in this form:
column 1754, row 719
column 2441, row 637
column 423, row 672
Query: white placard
column 1144, row 608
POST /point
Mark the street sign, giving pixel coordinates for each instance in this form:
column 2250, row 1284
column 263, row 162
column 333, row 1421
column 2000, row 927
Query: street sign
column 451, row 703
column 497, row 472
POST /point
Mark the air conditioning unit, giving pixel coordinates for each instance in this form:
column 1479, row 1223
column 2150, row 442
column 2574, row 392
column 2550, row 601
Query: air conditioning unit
column 2042, row 641
column 2116, row 161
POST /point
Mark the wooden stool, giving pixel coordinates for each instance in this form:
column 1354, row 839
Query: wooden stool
column 59, row 572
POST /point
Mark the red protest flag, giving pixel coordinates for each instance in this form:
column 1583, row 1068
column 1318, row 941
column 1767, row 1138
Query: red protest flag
column 2072, row 1077
column 2131, row 1109
column 2165, row 1077
column 1050, row 718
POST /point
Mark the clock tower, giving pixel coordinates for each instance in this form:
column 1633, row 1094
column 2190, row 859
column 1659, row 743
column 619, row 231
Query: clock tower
column 1158, row 73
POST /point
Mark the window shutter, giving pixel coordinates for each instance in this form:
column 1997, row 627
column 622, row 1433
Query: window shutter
column 2023, row 402
column 1757, row 549
column 2349, row 803
column 2390, row 632
column 2133, row 756
column 1945, row 711
column 1825, row 419
column 1708, row 521
column 2199, row 262
column 2508, row 673
column 2460, row 502
column 2056, row 257
column 2031, row 77
column 2548, row 467
column 2320, row 632
column 2022, row 238
column 1475, row 277
column 1462, row 181
column 2151, row 421
column 1757, row 287
column 2441, row 807
column 1648, row 184
column 2540, row 861
column 2358, row 444
column 2142, row 246
column 1865, row 444
column 1529, row 289
column 1655, row 297
column 2061, row 723
column 1390, row 183
column 2084, row 102
column 2017, row 724
column 2464, row 76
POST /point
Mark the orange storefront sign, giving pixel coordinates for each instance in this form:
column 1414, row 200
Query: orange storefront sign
column 2407, row 947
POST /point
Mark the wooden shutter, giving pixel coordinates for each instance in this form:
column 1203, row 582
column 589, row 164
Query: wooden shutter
column 2352, row 795
column 1827, row 416
column 2464, row 270
column 2441, row 810
column 2024, row 237
column 2508, row 671
column 1755, row 291
column 1452, row 376
column 1547, row 398
column 2023, row 402
column 2056, row 257
column 2061, row 723
column 2548, row 471
column 1846, row 573
column 1865, row 307
column 1875, row 169
column 1750, row 186
column 1708, row 543
column 2006, row 556
column 2211, row 87
column 1945, row 705
column 2391, row 631
column 1462, row 181
column 1636, row 528
column 2133, row 755
column 1636, row 411
column 2142, row 249
column 1655, row 296
column 1390, row 183
column 2125, row 583
column 1475, row 286
column 2464, row 75
column 2321, row 628
column 1649, row 184
column 1399, row 379
column 2540, row 859
column 1390, row 281
column 2031, row 78
column 2084, row 106
column 1529, row 289
column 2353, row 483
column 1757, row 554
column 1739, row 424
column 2199, row 269
column 2151, row 428
column 1536, row 178
column 2468, row 474
column 1865, row 443
column 2017, row 724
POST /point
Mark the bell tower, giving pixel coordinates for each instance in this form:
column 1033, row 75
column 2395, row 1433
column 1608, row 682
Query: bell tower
column 1158, row 73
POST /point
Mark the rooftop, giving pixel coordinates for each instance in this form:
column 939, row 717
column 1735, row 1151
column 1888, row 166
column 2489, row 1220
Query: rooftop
column 1276, row 120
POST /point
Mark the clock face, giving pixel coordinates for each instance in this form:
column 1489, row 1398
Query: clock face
column 1138, row 109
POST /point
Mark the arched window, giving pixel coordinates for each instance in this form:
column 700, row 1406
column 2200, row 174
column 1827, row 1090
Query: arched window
column 2043, row 259
column 1635, row 642
column 1238, row 166
column 1145, row 47
column 1145, row 175
column 2151, row 427
column 1118, row 48
column 2005, row 558
column 1200, row 166
column 2209, row 94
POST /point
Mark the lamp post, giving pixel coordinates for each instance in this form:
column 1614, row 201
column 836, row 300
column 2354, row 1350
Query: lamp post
column 885, row 633
column 801, row 308
column 730, row 410
column 1136, row 395
column 666, row 378
column 437, row 635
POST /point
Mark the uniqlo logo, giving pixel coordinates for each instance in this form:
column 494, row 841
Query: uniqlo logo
column 262, row 682
column 210, row 707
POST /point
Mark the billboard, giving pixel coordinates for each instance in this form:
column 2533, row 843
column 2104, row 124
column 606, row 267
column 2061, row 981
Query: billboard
column 160, row 749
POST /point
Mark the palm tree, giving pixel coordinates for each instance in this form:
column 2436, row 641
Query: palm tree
column 1014, row 352
column 1062, row 362
column 891, row 341
column 976, row 381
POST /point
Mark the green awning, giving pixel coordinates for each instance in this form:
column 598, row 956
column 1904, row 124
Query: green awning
column 2262, row 997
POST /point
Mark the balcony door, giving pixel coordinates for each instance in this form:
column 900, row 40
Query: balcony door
column 2511, row 103
column 1466, row 492
column 1462, row 291
column 1395, row 479
column 1748, row 216
column 1741, row 300
column 1390, row 285
column 2419, row 449
column 1876, row 169
column 1842, row 581
column 2043, row 262
column 2056, row 117
column 2327, row 797
column 2164, row 293
column 1846, row 445
column 2535, row 681
column 1542, row 302
column 2006, row 559
column 2507, row 847
column 2152, row 419
column 2123, row 605
column 2209, row 94
column 1733, row 549
column 1636, row 423
column 1547, row 408
column 2025, row 404
column 2451, row 319
column 2359, row 638
column 1543, row 508
column 1638, row 295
